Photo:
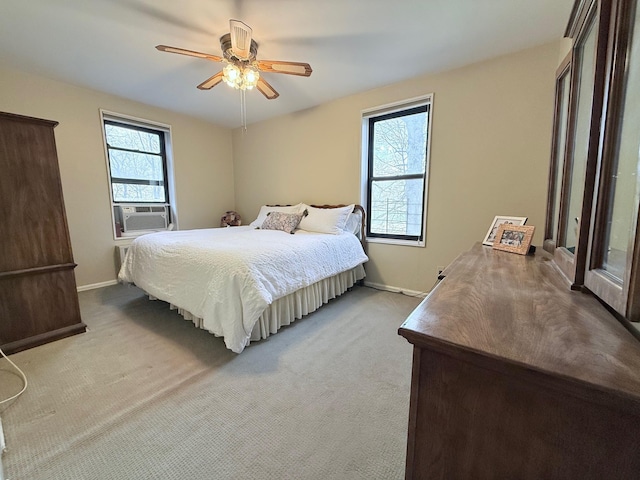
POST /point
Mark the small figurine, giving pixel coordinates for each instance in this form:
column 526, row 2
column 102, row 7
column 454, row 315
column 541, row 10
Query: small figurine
column 230, row 219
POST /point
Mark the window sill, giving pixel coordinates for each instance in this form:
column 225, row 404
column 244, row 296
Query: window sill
column 395, row 241
column 139, row 233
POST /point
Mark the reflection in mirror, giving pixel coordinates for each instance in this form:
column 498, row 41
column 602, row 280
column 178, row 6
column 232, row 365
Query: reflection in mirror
column 559, row 153
column 624, row 178
column 585, row 79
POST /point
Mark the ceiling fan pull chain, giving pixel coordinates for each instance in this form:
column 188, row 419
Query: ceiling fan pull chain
column 243, row 110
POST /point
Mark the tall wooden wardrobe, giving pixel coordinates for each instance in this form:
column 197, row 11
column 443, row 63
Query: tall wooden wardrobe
column 38, row 296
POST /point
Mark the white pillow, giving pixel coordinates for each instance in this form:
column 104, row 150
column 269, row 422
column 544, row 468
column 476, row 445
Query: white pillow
column 354, row 223
column 325, row 220
column 264, row 210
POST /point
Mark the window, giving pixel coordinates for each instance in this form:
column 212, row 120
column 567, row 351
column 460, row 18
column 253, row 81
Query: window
column 137, row 154
column 396, row 154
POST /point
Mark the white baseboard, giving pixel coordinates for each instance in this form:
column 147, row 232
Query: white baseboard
column 389, row 288
column 93, row 286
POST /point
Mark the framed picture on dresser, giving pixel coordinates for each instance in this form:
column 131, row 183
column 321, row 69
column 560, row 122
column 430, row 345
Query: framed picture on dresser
column 514, row 238
column 497, row 221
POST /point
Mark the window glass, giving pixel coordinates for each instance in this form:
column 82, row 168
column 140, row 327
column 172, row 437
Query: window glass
column 137, row 163
column 131, row 193
column 396, row 207
column 399, row 145
column 132, row 138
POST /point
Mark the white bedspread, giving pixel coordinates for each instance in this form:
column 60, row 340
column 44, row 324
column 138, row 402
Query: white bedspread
column 228, row 276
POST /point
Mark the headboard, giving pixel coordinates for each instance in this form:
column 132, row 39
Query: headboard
column 356, row 209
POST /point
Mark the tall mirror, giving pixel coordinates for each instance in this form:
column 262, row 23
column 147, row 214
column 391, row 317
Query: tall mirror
column 590, row 32
column 616, row 216
column 560, row 118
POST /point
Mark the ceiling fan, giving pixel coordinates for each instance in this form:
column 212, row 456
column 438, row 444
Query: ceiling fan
column 242, row 71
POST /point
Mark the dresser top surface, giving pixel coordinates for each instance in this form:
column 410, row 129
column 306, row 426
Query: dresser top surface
column 519, row 310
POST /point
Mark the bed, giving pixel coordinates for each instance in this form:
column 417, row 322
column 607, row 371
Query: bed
column 244, row 283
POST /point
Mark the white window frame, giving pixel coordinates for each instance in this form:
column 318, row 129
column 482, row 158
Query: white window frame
column 364, row 161
column 140, row 122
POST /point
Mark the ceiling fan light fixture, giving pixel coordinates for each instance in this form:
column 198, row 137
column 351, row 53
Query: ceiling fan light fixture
column 240, row 77
column 232, row 75
column 250, row 77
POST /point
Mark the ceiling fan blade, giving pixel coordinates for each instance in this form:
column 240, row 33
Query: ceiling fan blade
column 290, row 68
column 190, row 53
column 240, row 39
column 266, row 89
column 211, row 82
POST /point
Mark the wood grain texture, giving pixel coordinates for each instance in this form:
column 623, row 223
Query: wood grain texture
column 38, row 297
column 31, row 204
column 517, row 376
column 33, row 306
column 516, row 310
column 476, row 423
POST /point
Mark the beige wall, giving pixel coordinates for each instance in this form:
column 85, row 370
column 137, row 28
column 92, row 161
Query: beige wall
column 566, row 44
column 203, row 163
column 489, row 156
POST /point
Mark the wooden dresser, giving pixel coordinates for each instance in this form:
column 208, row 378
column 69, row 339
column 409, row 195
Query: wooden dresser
column 38, row 296
column 515, row 376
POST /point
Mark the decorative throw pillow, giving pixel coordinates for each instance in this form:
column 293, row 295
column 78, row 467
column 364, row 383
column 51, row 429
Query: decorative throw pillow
column 287, row 222
column 265, row 209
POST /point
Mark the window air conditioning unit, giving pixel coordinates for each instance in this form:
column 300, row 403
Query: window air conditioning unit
column 144, row 217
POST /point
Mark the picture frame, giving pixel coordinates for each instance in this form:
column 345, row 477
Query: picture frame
column 497, row 221
column 514, row 238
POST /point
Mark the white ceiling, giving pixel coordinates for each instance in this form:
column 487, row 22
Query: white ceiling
column 352, row 45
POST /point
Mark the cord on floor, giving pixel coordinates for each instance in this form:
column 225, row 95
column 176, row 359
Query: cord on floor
column 22, row 375
column 3, row 445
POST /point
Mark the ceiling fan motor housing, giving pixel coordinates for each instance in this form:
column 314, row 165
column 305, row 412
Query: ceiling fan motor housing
column 227, row 51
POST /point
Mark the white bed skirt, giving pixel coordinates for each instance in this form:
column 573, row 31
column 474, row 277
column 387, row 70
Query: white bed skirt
column 294, row 306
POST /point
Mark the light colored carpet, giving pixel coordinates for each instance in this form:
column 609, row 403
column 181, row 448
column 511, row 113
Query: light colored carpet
column 146, row 395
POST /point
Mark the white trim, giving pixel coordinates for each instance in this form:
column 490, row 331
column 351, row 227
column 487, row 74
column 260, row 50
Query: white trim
column 364, row 164
column 389, row 288
column 131, row 236
column 364, row 161
column 397, row 241
column 140, row 122
column 397, row 106
column 93, row 286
